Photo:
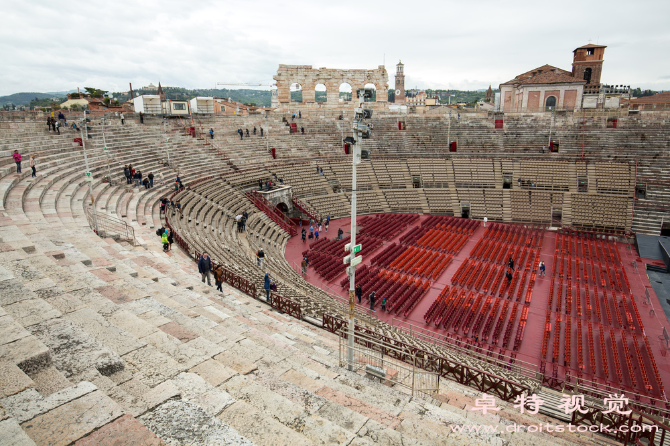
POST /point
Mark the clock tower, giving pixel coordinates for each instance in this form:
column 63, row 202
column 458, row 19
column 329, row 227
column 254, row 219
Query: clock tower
column 400, row 83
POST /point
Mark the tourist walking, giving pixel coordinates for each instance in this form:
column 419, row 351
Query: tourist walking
column 302, row 130
column 266, row 286
column 211, row 133
column 151, row 179
column 247, row 132
column 359, row 293
column 17, row 159
column 299, row 114
column 486, row 219
column 126, row 172
column 123, row 119
column 49, row 123
column 510, row 263
column 261, row 132
column 141, row 118
column 32, row 166
column 204, row 268
column 165, row 240
column 384, row 303
column 340, row 233
column 61, row 118
column 304, row 235
column 303, row 264
column 542, row 269
column 254, row 130
column 260, row 257
column 372, row 301
column 218, row 277
column 316, row 235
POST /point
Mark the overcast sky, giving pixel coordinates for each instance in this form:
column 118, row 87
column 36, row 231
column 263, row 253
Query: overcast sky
column 54, row 46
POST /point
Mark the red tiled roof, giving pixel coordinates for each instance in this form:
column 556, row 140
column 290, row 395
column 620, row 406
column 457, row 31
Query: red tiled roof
column 552, row 78
column 659, row 98
column 590, row 45
column 546, row 74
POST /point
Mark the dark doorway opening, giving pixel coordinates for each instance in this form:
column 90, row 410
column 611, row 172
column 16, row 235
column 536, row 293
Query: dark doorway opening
column 416, row 182
column 507, row 180
column 665, row 229
column 556, row 218
column 465, row 210
column 282, row 207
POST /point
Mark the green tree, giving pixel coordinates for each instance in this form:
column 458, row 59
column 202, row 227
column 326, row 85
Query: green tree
column 95, row 92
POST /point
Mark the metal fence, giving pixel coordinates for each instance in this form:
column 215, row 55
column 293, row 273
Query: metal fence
column 110, row 227
column 378, row 360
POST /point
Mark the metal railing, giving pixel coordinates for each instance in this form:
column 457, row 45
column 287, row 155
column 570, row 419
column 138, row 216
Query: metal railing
column 111, row 227
column 378, row 360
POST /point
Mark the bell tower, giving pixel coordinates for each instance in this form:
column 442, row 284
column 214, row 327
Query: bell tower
column 400, row 83
column 587, row 63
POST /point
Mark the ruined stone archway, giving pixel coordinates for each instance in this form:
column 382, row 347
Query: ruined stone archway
column 282, row 207
column 309, row 77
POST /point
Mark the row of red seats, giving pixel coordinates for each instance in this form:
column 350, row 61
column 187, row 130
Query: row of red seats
column 388, row 255
column 520, row 328
column 443, row 241
column 510, row 325
column 471, row 312
column 592, row 351
column 643, row 369
column 461, row 271
column 580, row 351
column 386, row 226
column 453, row 224
column 614, row 303
column 501, row 321
column 521, row 286
column 529, row 290
column 408, row 303
column 615, row 352
column 512, row 285
column 488, row 326
column 326, row 266
column 557, row 338
column 413, row 235
column 637, row 314
column 517, row 235
column 603, row 353
column 460, row 311
column 627, row 356
column 567, row 357
column 482, row 314
column 653, row 366
column 588, row 247
column 547, row 333
column 422, row 262
column 445, row 316
column 436, row 304
column 361, row 272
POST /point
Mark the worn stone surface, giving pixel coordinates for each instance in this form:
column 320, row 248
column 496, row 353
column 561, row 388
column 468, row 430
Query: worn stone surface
column 13, row 380
column 132, row 324
column 74, row 350
column 150, row 365
column 10, row 330
column 262, row 430
column 32, row 311
column 202, row 429
column 104, row 332
column 213, row 372
column 12, row 291
column 195, row 389
column 179, row 332
column 73, row 420
column 28, row 404
column 49, row 380
column 124, row 431
column 29, row 353
column 359, row 406
column 11, row 434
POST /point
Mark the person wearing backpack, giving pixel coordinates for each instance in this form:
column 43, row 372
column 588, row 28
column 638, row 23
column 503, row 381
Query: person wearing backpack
column 165, row 241
column 384, row 303
column 260, row 257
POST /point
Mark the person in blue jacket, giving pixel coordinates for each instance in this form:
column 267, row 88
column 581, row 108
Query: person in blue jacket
column 266, row 286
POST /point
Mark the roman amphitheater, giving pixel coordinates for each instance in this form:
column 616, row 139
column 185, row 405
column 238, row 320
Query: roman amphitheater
column 106, row 339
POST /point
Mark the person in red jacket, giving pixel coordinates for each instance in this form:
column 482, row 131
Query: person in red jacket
column 17, row 159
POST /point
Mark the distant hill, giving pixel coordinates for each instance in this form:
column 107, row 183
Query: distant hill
column 25, row 98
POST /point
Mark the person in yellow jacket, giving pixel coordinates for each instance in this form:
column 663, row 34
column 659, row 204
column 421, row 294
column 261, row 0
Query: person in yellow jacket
column 164, row 239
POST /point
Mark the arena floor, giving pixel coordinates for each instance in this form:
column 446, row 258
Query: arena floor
column 531, row 347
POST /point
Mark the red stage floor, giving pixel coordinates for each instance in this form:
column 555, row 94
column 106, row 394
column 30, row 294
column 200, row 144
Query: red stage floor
column 531, row 346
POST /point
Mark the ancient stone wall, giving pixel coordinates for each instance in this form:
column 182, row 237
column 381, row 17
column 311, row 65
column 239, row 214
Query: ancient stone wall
column 309, row 78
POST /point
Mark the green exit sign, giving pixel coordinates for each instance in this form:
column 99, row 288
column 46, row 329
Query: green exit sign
column 88, row 174
column 357, row 248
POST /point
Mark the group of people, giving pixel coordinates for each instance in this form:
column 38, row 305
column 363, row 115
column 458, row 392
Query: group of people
column 294, row 115
column 54, row 125
column 359, row 295
column 136, row 177
column 166, row 238
column 16, row 156
column 167, row 205
column 239, row 132
column 242, row 221
column 510, row 269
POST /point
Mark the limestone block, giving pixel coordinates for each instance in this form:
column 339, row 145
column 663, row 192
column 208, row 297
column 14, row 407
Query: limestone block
column 10, row 331
column 74, row 350
column 28, row 404
column 13, row 380
column 196, row 390
column 132, row 324
column 150, row 365
column 49, row 380
column 259, row 428
column 167, row 421
column 12, row 291
column 28, row 353
column 124, row 431
column 106, row 333
column 73, row 420
column 213, row 372
column 12, row 434
column 32, row 311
